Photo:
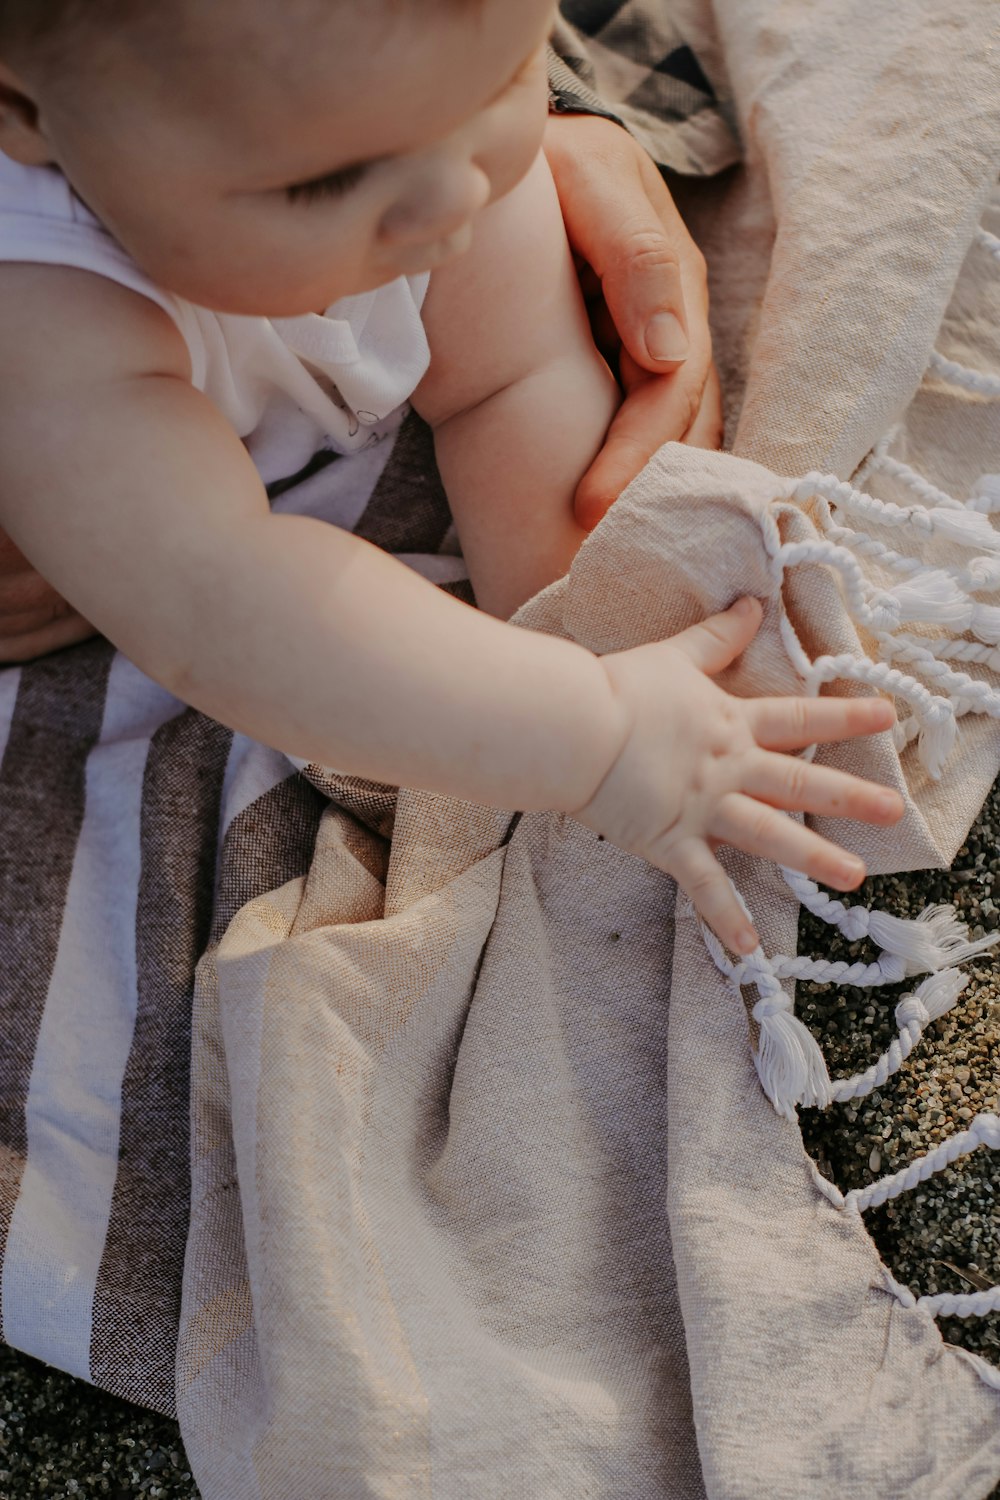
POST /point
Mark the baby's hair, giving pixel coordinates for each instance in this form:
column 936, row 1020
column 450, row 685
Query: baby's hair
column 28, row 21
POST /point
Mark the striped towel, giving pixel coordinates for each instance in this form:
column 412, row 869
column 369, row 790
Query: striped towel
column 134, row 828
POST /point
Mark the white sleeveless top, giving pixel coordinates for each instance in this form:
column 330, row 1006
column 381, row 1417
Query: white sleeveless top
column 289, row 386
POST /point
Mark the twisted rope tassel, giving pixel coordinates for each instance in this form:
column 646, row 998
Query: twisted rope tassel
column 960, row 375
column 960, row 525
column 984, row 1131
column 967, row 694
column 789, row 1063
column 946, row 650
column 888, row 968
column 927, row 493
column 927, row 943
column 914, row 1013
column 985, row 495
column 982, row 573
column 935, row 715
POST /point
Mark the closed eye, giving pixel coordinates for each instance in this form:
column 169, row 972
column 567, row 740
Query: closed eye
column 332, row 185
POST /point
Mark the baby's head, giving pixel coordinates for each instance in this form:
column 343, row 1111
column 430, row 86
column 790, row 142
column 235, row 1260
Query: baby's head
column 269, row 156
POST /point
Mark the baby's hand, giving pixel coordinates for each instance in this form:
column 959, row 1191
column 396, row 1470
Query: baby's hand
column 698, row 768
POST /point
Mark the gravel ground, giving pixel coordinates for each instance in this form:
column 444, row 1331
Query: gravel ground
column 59, row 1438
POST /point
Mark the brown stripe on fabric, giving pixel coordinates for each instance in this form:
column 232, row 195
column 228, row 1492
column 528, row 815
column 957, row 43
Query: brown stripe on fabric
column 56, row 722
column 137, row 1301
column 408, row 510
column 138, row 1286
column 270, row 843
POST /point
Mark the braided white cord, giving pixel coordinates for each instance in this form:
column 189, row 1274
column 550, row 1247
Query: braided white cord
column 984, row 1131
column 889, row 968
column 961, row 376
column 914, row 1013
column 949, row 650
column 985, row 495
column 789, row 1062
column 927, row 493
column 981, row 574
column 879, row 609
column 886, row 680
column 959, row 525
column 962, row 1304
column 967, row 694
column 927, row 943
column 935, row 715
column 880, row 448
column 989, row 242
column 988, row 1374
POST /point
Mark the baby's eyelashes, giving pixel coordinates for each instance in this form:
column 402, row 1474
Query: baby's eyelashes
column 332, row 185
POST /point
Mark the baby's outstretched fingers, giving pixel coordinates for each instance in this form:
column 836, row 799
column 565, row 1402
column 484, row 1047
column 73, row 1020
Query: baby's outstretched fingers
column 700, row 876
column 793, row 723
column 759, row 829
column 784, row 781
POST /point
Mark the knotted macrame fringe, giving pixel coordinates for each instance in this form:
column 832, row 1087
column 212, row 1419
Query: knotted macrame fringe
column 938, row 687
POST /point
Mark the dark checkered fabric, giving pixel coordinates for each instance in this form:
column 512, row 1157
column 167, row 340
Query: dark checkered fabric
column 630, row 61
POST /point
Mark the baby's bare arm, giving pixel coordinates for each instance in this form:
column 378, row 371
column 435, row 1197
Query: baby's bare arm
column 135, row 499
column 519, row 398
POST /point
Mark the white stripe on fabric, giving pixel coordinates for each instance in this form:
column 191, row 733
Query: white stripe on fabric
column 10, row 681
column 60, row 1220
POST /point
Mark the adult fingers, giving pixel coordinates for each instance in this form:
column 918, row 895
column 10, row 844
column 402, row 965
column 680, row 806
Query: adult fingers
column 700, row 876
column 28, row 644
column 784, row 781
column 708, row 427
column 714, row 643
column 791, row 723
column 621, row 220
column 656, row 410
column 762, row 830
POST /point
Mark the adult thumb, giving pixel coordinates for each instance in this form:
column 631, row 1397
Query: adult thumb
column 715, row 643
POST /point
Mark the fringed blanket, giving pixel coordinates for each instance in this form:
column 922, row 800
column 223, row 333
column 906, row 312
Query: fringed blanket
column 489, row 1196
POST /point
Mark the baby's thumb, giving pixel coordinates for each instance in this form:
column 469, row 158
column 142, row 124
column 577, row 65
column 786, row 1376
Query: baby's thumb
column 716, row 642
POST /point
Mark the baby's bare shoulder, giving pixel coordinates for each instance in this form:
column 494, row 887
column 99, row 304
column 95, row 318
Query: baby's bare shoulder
column 66, row 328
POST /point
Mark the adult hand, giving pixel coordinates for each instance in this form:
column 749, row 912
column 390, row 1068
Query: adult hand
column 34, row 619
column 645, row 283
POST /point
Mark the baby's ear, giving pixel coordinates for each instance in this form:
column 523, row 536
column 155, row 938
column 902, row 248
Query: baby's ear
column 22, row 136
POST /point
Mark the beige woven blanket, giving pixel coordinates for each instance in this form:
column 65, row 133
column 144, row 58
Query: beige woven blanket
column 489, row 1200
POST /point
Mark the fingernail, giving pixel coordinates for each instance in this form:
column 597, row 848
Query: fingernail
column 666, row 339
column 745, row 606
column 746, row 941
column 852, row 870
column 890, row 804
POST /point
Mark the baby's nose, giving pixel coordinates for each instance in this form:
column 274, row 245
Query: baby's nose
column 436, row 206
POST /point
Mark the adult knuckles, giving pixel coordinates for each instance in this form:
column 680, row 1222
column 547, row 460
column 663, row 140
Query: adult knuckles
column 641, row 250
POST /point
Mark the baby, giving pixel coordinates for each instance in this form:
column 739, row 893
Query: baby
column 217, row 220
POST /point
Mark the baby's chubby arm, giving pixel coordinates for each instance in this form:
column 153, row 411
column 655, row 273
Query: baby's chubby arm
column 517, row 393
column 126, row 489
column 136, row 500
